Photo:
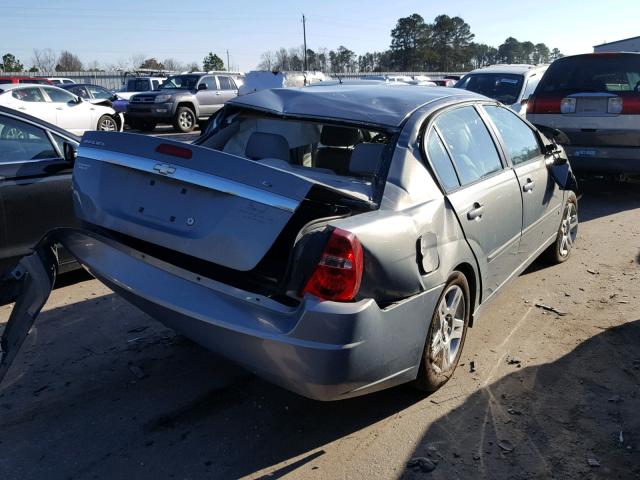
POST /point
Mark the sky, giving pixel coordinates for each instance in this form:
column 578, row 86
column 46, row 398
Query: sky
column 112, row 31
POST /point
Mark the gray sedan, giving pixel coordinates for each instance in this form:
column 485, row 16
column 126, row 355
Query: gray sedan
column 336, row 240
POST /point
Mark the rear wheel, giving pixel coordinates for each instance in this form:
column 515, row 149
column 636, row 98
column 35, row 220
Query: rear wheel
column 567, row 232
column 447, row 332
column 185, row 120
column 106, row 123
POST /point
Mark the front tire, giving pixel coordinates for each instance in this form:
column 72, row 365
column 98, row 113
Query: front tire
column 567, row 232
column 184, row 120
column 106, row 123
column 447, row 332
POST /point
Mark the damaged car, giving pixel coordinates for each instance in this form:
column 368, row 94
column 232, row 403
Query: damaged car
column 334, row 240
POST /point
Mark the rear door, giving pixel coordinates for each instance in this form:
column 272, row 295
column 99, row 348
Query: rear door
column 228, row 89
column 541, row 196
column 35, row 186
column 488, row 202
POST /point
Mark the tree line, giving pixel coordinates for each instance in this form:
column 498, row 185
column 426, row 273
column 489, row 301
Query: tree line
column 446, row 44
column 47, row 60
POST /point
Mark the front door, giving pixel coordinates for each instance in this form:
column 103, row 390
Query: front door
column 209, row 98
column 71, row 115
column 541, row 196
column 488, row 202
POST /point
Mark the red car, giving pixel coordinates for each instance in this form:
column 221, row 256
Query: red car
column 41, row 81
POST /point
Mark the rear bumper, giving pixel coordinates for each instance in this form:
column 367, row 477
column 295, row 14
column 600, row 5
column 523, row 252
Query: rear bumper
column 322, row 350
column 604, row 159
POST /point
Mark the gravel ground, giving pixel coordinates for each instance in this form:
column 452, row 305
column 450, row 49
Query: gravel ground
column 100, row 390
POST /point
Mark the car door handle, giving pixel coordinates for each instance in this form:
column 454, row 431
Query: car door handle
column 528, row 187
column 475, row 212
column 218, row 93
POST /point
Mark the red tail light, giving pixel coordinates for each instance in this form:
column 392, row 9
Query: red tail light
column 630, row 103
column 339, row 272
column 542, row 104
column 174, row 150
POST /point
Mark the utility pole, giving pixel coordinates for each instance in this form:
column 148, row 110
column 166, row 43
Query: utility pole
column 304, row 36
column 228, row 64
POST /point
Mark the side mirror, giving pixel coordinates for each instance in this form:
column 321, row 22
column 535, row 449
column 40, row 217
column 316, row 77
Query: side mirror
column 70, row 153
column 202, row 86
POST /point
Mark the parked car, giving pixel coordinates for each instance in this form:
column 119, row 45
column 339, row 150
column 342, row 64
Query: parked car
column 183, row 101
column 35, row 185
column 60, row 81
column 133, row 85
column 258, row 80
column 56, row 105
column 509, row 84
column 593, row 103
column 33, row 80
column 445, row 82
column 92, row 93
column 334, row 240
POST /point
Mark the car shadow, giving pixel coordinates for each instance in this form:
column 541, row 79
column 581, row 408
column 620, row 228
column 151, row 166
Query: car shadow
column 575, row 417
column 120, row 395
column 601, row 198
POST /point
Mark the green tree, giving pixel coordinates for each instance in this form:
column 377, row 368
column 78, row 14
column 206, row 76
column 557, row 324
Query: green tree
column 527, row 50
column 555, row 54
column 541, row 53
column 408, row 42
column 10, row 63
column 510, row 51
column 450, row 42
column 212, row 62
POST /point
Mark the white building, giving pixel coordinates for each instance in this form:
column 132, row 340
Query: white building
column 627, row 45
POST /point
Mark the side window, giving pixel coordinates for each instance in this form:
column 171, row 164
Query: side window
column 59, row 96
column 21, row 141
column 155, row 84
column 80, row 91
column 441, row 162
column 225, row 84
column 470, row 144
column 520, row 141
column 99, row 92
column 210, row 82
column 32, row 94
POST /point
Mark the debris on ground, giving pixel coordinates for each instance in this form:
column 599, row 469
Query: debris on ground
column 592, row 272
column 422, row 464
column 551, row 309
column 593, row 463
column 513, row 411
column 506, row 446
column 513, row 361
column 472, row 366
column 138, row 329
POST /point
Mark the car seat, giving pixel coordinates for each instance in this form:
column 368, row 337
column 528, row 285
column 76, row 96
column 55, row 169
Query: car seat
column 337, row 146
column 267, row 145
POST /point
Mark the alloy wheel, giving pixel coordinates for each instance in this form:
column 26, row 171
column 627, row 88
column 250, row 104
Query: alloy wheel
column 568, row 229
column 447, row 333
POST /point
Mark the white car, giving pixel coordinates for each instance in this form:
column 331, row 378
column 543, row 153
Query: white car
column 60, row 80
column 511, row 85
column 60, row 107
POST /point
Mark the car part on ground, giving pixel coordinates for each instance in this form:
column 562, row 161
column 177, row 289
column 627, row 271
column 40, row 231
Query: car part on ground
column 320, row 237
column 592, row 101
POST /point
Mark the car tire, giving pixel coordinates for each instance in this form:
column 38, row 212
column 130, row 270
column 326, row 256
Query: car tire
column 446, row 335
column 184, row 120
column 567, row 232
column 106, row 123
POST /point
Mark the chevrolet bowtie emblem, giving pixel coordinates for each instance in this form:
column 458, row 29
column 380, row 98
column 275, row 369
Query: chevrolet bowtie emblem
column 164, row 169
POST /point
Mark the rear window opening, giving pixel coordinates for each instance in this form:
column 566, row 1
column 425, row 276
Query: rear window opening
column 347, row 158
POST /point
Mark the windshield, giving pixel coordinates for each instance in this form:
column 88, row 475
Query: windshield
column 593, row 73
column 504, row 87
column 181, row 82
column 345, row 157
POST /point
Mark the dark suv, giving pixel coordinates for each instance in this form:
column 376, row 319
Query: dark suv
column 183, row 100
column 594, row 102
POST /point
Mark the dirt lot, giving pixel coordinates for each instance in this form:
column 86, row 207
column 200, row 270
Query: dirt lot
column 100, row 390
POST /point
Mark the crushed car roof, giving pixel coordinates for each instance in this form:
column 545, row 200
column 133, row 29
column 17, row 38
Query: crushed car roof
column 385, row 105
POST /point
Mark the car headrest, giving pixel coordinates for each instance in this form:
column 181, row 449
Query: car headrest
column 333, row 136
column 366, row 158
column 267, row 145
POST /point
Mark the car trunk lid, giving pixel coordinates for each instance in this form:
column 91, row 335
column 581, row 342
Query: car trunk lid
column 218, row 207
